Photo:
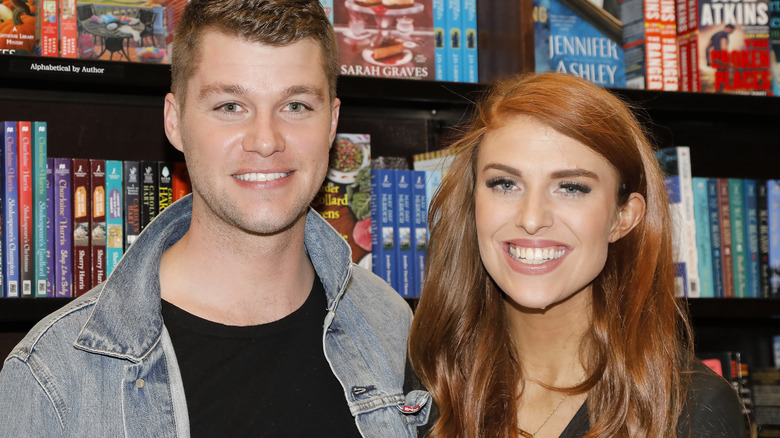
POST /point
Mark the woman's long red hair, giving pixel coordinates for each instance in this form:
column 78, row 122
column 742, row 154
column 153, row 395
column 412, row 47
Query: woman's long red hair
column 639, row 338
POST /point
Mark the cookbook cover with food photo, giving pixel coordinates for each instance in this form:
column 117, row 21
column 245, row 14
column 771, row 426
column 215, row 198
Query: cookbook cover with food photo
column 344, row 199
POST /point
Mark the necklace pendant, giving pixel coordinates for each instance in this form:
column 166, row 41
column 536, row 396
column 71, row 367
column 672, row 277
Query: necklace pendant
column 525, row 434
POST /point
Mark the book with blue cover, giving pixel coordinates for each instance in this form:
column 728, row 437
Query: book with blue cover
column 751, row 238
column 383, row 224
column 114, row 215
column 420, row 229
column 773, row 210
column 403, row 232
column 40, row 209
column 763, row 239
column 738, row 242
column 470, row 53
column 440, row 39
column 455, row 41
column 703, row 236
column 10, row 213
column 715, row 236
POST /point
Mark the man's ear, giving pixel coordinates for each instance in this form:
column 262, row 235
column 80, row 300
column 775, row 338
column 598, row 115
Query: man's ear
column 172, row 120
column 629, row 216
column 334, row 118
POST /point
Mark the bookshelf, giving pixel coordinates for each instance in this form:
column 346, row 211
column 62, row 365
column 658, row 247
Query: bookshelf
column 117, row 114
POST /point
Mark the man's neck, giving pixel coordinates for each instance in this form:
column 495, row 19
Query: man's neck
column 236, row 278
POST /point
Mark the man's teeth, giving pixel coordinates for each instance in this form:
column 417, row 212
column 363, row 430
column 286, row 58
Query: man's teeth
column 260, row 177
column 535, row 256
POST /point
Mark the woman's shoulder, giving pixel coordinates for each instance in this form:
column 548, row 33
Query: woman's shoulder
column 714, row 408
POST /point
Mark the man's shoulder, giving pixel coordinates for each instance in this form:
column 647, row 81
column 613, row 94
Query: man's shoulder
column 370, row 288
column 58, row 330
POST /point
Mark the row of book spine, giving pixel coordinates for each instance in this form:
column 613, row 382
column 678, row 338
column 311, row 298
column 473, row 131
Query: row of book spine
column 455, row 40
column 67, row 221
column 399, row 233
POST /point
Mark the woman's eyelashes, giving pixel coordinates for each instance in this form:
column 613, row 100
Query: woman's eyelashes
column 501, row 184
column 574, row 188
column 505, row 185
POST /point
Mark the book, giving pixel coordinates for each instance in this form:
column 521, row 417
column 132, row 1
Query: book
column 40, row 211
column 50, row 40
column 132, row 201
column 738, row 236
column 10, row 212
column 63, row 226
column 454, row 46
column 50, row 227
column 344, row 199
column 703, row 236
column 114, row 212
column 582, row 39
column 181, row 181
column 763, row 238
column 715, row 236
column 19, row 31
column 676, row 164
column 385, row 42
column 71, row 46
column 439, row 160
column 81, row 195
column 149, row 192
column 97, row 221
column 751, row 238
column 470, row 44
column 420, row 229
column 731, row 46
column 404, row 255
column 773, row 216
column 727, row 263
column 650, row 44
column 24, row 137
column 383, row 239
column 439, row 39
column 164, row 185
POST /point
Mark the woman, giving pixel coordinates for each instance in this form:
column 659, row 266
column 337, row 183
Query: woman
column 548, row 306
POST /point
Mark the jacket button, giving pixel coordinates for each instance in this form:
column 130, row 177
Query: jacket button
column 140, row 383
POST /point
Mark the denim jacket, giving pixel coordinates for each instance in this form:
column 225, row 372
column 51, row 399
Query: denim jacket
column 104, row 365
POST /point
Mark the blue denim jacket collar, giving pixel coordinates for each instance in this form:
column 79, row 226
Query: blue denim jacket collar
column 118, row 336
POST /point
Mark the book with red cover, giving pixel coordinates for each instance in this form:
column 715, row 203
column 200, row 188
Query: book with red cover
column 181, row 181
column 69, row 34
column 49, row 28
column 82, row 206
column 725, row 237
column 26, row 256
column 97, row 244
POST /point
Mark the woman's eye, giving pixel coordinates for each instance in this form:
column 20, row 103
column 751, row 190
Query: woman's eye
column 501, row 184
column 570, row 188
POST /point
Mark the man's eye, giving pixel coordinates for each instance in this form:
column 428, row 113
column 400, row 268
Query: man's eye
column 230, row 107
column 297, row 107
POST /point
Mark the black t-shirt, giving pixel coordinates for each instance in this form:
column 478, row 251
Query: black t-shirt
column 269, row 380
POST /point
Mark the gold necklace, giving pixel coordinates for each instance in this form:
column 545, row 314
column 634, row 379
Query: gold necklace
column 525, row 434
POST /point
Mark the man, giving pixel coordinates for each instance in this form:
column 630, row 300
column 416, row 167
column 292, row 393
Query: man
column 269, row 330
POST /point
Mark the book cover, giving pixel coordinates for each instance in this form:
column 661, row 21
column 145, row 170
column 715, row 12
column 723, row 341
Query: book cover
column 403, row 231
column 439, row 160
column 181, row 181
column 10, row 228
column 63, row 228
column 455, row 39
column 344, row 199
column 26, row 257
column 327, row 6
column 650, row 44
column 584, row 40
column 164, row 185
column 774, row 42
column 49, row 28
column 703, row 236
column 114, row 215
column 132, row 202
column 420, row 230
column 81, row 195
column 676, row 164
column 439, row 39
column 40, row 209
column 19, row 28
column 388, row 42
column 773, row 207
column 751, row 237
column 149, row 192
column 471, row 67
column 715, row 242
column 738, row 236
column 727, row 263
column 97, row 222
column 70, row 44
column 732, row 47
column 763, row 238
column 51, row 225
column 383, row 239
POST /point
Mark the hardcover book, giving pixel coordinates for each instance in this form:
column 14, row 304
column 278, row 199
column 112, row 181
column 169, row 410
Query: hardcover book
column 420, row 229
column 164, row 185
column 149, row 192
column 650, row 44
column 82, row 205
column 403, row 231
column 383, row 239
column 581, row 39
column 40, row 209
column 439, row 39
column 703, row 236
column 471, row 66
column 97, row 221
column 24, row 133
column 454, row 40
column 132, row 202
column 63, row 227
column 114, row 215
column 181, row 181
column 378, row 41
column 10, row 228
column 344, row 199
